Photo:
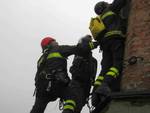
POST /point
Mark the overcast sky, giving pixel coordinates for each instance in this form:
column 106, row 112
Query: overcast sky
column 23, row 23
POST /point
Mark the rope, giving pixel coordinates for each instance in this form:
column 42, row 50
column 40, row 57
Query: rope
column 34, row 92
column 91, row 108
column 61, row 104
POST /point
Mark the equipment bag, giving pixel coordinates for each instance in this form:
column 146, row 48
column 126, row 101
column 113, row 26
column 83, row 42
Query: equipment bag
column 96, row 26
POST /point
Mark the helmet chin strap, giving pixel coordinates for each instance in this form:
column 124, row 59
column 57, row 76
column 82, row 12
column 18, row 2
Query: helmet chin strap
column 48, row 47
column 44, row 50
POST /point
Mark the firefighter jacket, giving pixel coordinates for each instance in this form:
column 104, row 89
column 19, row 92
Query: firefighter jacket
column 84, row 71
column 111, row 24
column 55, row 58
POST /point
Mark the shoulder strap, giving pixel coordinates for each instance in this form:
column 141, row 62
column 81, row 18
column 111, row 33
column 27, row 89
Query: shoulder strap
column 41, row 64
column 42, row 59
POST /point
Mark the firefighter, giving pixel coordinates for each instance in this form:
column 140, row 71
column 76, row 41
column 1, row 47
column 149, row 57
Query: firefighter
column 51, row 77
column 83, row 72
column 107, row 28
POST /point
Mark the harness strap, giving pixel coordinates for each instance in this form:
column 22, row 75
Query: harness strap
column 61, row 104
column 91, row 108
column 34, row 92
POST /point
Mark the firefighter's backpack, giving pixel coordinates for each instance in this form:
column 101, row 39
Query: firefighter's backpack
column 96, row 26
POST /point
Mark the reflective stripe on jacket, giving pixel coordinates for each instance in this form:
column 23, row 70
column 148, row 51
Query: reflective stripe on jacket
column 106, row 25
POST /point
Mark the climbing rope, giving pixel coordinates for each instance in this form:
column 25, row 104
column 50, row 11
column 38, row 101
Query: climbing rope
column 61, row 104
column 91, row 108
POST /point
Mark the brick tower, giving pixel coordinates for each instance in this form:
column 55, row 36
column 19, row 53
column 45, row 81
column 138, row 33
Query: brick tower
column 136, row 75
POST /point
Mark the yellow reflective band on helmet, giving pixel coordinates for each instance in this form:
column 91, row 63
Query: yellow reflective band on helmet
column 110, row 73
column 68, row 107
column 115, row 70
column 115, row 32
column 71, row 102
column 54, row 55
column 91, row 45
column 109, row 13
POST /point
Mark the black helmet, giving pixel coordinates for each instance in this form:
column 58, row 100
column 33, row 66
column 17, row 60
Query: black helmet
column 100, row 6
column 85, row 39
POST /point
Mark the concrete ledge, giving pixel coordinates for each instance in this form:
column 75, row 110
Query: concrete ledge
column 126, row 102
column 130, row 95
column 128, row 106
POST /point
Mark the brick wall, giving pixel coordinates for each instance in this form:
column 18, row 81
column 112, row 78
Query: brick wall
column 137, row 76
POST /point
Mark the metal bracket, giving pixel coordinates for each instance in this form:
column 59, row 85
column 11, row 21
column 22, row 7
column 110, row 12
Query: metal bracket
column 134, row 59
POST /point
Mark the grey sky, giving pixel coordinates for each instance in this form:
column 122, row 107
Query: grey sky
column 23, row 23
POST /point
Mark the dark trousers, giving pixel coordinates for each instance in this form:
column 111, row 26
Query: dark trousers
column 39, row 105
column 41, row 101
column 78, row 93
column 112, row 56
column 56, row 90
column 44, row 97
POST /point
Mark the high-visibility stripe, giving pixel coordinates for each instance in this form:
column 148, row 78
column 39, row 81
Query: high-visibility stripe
column 97, row 83
column 114, row 32
column 109, row 13
column 40, row 61
column 54, row 55
column 68, row 107
column 115, row 70
column 91, row 45
column 110, row 73
column 100, row 78
column 70, row 101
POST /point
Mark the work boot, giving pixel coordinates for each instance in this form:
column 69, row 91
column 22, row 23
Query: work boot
column 106, row 87
column 100, row 94
column 103, row 90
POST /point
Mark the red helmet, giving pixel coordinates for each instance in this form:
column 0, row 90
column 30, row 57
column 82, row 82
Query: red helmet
column 46, row 41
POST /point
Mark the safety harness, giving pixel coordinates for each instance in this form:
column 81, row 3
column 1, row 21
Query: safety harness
column 49, row 75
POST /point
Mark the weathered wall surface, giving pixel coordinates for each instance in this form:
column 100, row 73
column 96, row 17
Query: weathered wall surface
column 137, row 76
column 128, row 106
